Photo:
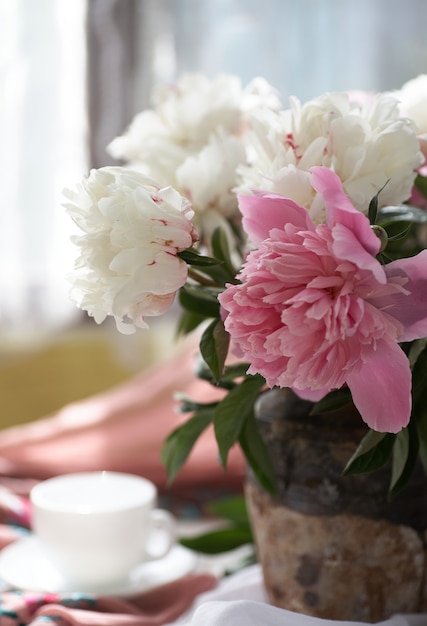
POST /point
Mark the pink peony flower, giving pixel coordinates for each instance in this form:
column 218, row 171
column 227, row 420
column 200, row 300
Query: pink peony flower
column 316, row 309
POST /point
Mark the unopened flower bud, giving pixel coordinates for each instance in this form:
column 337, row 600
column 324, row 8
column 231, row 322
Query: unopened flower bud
column 382, row 236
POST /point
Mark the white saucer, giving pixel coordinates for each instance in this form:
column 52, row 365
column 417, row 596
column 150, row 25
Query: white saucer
column 24, row 566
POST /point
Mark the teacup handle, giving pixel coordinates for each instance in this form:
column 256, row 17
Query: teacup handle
column 162, row 535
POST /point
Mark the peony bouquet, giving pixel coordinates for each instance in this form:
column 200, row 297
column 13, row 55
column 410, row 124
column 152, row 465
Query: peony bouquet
column 294, row 238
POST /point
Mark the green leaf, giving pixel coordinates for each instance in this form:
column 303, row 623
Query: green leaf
column 188, row 321
column 400, row 455
column 419, row 380
column 383, row 258
column 422, row 440
column 372, row 453
column 418, row 360
column 405, row 454
column 231, row 508
column 180, row 442
column 233, row 411
column 421, row 184
column 373, row 205
column 221, row 540
column 228, row 377
column 192, row 257
column 220, row 267
column 419, row 418
column 257, row 455
column 401, row 235
column 235, row 370
column 200, row 301
column 221, row 249
column 219, row 274
column 214, row 345
column 417, row 348
column 187, row 405
column 204, row 372
column 373, row 209
column 332, row 401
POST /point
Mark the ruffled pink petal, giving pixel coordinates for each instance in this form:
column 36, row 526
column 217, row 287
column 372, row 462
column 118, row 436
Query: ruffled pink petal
column 264, row 211
column 339, row 209
column 348, row 246
column 411, row 311
column 381, row 389
column 313, row 395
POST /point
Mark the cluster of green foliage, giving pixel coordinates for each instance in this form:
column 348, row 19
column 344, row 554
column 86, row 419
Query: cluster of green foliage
column 233, row 417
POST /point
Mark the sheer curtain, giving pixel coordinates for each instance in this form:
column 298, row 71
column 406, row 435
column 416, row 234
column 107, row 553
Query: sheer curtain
column 302, row 47
column 42, row 150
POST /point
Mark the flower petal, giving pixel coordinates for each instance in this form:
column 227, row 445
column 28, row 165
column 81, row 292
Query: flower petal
column 381, row 389
column 348, row 224
column 339, row 208
column 264, row 211
column 313, row 395
column 347, row 246
column 128, row 265
column 410, row 311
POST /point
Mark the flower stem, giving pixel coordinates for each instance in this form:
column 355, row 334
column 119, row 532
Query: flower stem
column 200, row 278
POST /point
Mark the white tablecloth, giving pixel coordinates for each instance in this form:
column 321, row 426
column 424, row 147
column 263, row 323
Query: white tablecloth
column 239, row 600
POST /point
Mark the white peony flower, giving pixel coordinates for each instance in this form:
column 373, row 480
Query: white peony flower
column 148, row 147
column 196, row 107
column 366, row 144
column 208, row 177
column 413, row 102
column 132, row 231
column 193, row 138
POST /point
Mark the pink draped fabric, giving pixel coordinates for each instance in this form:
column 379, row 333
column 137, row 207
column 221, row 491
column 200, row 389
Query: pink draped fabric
column 123, row 429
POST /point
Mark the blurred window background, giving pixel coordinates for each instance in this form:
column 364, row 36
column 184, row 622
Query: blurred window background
column 42, row 145
column 72, row 76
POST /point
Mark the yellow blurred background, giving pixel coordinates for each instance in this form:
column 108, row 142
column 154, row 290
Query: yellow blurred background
column 39, row 377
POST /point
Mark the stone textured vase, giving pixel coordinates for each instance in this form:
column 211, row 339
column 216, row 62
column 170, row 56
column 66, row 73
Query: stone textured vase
column 333, row 546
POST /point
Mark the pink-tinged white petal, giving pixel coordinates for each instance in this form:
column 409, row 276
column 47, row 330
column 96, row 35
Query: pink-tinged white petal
column 381, row 388
column 263, row 211
column 129, row 265
column 366, row 144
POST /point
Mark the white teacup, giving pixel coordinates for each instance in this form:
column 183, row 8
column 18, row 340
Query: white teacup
column 96, row 527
